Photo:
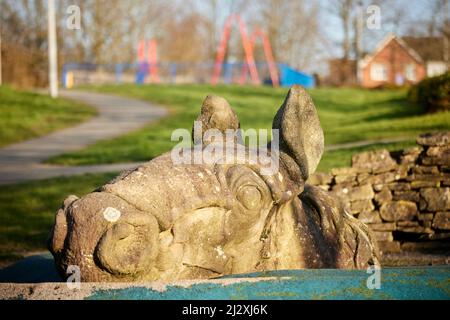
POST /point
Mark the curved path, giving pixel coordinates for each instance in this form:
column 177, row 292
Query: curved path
column 116, row 116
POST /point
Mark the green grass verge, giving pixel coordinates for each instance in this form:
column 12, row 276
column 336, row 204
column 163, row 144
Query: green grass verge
column 346, row 115
column 27, row 210
column 26, row 115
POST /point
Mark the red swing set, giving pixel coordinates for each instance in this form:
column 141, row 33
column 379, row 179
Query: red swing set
column 148, row 61
column 249, row 46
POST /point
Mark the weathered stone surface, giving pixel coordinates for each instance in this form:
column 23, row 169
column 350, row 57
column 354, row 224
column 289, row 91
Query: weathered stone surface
column 319, row 178
column 378, row 161
column 359, row 206
column 425, row 216
column 399, row 186
column 362, row 177
column 398, row 210
column 402, row 172
column 344, row 178
column 389, row 226
column 389, row 246
column 442, row 221
column 406, row 195
column 383, row 236
column 436, row 199
column 341, row 191
column 403, row 188
column 364, row 192
column 378, row 187
column 168, row 221
column 384, row 167
column 384, row 196
column 424, row 245
column 424, row 184
column 412, row 150
column 417, row 229
column 370, row 217
column 350, row 192
column 426, row 223
column 425, row 170
column 345, row 171
column 408, row 223
column 437, row 236
column 438, row 151
column 434, row 139
column 436, row 161
column 410, row 155
column 434, row 178
column 382, row 178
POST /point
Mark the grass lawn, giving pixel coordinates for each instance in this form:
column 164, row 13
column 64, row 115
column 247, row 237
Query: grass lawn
column 27, row 211
column 25, row 115
column 346, row 115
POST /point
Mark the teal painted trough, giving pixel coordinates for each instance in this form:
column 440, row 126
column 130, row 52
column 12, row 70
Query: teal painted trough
column 396, row 283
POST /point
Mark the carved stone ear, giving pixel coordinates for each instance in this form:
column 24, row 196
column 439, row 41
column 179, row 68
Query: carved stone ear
column 216, row 114
column 301, row 137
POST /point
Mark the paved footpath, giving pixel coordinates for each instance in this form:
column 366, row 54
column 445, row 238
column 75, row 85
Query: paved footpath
column 116, row 116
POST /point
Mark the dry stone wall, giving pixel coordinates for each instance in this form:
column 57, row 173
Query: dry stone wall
column 403, row 196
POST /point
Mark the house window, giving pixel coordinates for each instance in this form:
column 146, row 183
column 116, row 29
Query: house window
column 378, row 72
column 436, row 68
column 410, row 72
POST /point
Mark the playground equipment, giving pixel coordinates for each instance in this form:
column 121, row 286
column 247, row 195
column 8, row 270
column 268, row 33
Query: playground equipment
column 248, row 45
column 147, row 64
column 250, row 60
column 258, row 33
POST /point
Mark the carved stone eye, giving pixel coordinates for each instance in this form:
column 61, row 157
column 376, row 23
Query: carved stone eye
column 249, row 196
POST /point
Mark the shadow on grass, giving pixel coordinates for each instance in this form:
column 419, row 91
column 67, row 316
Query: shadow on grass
column 28, row 210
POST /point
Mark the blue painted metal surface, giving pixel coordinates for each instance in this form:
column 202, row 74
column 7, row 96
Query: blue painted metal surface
column 432, row 282
column 290, row 76
column 397, row 283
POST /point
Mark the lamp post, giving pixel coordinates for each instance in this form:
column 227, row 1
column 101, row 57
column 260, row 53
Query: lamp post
column 359, row 27
column 52, row 49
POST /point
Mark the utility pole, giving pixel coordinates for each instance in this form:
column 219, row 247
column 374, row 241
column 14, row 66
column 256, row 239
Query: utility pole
column 359, row 27
column 52, row 49
column 446, row 34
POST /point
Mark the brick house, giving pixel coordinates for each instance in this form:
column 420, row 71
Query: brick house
column 407, row 60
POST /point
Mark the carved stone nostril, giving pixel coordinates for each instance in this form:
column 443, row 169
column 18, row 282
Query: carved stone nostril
column 126, row 249
column 122, row 230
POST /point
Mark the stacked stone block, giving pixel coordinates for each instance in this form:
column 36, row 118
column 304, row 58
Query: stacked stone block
column 403, row 196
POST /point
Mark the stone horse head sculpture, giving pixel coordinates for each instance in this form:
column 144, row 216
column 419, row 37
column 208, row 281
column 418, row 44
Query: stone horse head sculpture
column 166, row 221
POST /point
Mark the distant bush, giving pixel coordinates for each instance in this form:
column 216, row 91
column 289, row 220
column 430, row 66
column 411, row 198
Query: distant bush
column 432, row 93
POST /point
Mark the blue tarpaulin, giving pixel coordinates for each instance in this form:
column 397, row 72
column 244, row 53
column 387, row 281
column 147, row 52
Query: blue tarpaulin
column 290, row 76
